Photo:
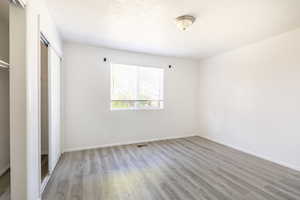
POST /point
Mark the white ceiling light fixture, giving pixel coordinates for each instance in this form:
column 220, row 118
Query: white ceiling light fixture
column 184, row 21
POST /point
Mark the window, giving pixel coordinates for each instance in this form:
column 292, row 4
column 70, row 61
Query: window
column 136, row 88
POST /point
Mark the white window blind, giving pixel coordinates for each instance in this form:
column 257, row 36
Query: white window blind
column 136, row 87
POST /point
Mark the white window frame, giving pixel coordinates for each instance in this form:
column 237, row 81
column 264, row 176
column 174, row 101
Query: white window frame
column 161, row 101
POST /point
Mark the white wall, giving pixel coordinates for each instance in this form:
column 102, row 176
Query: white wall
column 4, row 98
column 88, row 120
column 250, row 99
column 18, row 119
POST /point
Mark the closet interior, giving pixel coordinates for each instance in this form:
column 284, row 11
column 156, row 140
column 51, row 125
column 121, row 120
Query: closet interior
column 4, row 103
column 44, row 110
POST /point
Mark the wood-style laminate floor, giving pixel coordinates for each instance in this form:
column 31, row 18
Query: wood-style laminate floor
column 181, row 169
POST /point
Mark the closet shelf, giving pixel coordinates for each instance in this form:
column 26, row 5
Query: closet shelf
column 4, row 65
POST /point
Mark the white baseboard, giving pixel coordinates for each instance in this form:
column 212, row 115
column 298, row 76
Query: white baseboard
column 4, row 170
column 253, row 154
column 126, row 143
column 45, row 182
column 55, row 164
column 47, row 178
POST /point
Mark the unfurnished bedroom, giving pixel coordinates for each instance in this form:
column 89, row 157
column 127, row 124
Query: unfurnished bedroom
column 149, row 100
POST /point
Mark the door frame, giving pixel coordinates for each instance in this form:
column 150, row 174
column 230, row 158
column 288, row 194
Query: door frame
column 43, row 183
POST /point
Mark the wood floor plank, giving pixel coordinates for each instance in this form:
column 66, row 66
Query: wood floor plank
column 191, row 168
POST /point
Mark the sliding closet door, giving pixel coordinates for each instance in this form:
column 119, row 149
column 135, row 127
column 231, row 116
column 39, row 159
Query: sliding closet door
column 55, row 107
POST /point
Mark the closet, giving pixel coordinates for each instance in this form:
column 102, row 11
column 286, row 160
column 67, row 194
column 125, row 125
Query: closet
column 44, row 75
column 4, row 102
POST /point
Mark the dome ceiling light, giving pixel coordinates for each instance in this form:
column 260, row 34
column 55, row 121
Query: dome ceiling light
column 184, row 21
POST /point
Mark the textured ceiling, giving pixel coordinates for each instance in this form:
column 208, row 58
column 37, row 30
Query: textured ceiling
column 148, row 25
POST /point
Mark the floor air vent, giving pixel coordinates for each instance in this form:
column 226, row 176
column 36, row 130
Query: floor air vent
column 142, row 145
